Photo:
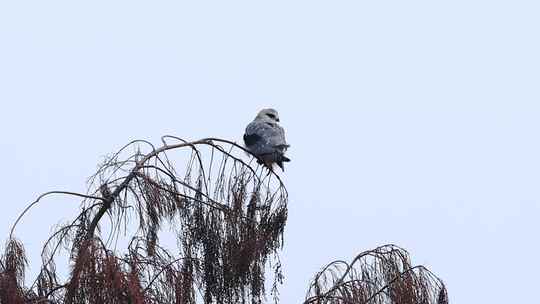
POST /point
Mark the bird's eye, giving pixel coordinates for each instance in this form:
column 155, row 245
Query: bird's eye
column 271, row 115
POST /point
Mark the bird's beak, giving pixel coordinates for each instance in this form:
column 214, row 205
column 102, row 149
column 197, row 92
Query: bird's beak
column 277, row 119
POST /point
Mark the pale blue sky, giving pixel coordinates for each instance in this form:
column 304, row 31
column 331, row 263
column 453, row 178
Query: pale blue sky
column 411, row 122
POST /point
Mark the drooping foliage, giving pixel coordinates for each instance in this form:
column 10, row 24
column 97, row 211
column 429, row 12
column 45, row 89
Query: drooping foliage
column 12, row 266
column 383, row 275
column 226, row 212
column 227, row 215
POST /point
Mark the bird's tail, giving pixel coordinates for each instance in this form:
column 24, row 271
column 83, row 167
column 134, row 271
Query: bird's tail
column 281, row 161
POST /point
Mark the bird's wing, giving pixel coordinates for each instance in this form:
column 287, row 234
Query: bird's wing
column 264, row 137
column 279, row 140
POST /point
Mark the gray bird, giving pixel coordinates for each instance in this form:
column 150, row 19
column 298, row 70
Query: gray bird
column 265, row 138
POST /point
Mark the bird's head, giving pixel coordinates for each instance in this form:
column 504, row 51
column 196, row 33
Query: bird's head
column 268, row 114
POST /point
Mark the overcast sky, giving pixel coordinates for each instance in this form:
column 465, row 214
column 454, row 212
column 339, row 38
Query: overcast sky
column 411, row 122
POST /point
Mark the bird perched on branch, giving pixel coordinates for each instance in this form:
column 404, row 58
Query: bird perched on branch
column 265, row 138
